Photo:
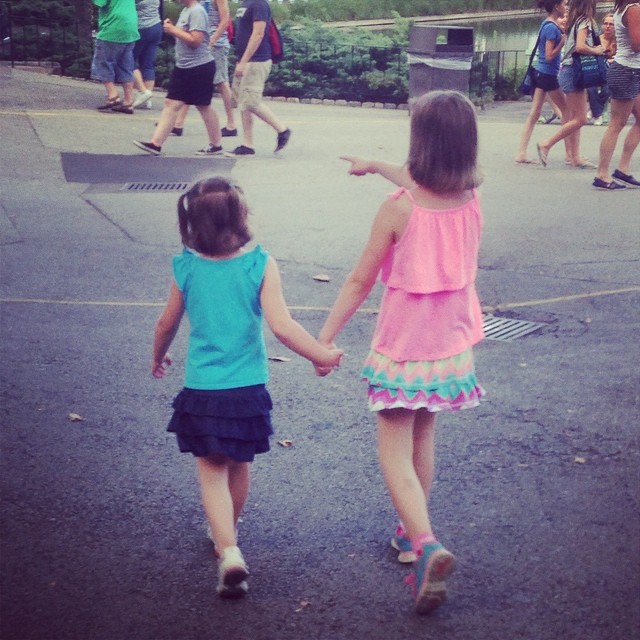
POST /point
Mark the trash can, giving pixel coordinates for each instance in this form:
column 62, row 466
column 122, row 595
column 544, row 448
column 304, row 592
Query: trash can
column 439, row 58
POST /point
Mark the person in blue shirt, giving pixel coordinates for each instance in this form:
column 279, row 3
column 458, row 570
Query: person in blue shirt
column 223, row 414
column 546, row 69
column 253, row 55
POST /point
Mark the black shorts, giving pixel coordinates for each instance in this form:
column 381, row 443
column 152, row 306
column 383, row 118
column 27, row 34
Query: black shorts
column 194, row 85
column 545, row 81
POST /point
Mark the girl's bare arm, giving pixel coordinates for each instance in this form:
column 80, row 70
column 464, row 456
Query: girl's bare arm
column 360, row 281
column 166, row 330
column 395, row 173
column 291, row 333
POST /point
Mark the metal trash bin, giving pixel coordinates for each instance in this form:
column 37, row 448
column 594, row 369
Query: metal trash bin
column 439, row 58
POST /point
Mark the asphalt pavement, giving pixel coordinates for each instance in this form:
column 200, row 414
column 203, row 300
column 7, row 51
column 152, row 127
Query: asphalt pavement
column 102, row 533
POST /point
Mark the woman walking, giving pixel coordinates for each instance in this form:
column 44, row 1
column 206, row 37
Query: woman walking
column 545, row 71
column 624, row 83
column 581, row 29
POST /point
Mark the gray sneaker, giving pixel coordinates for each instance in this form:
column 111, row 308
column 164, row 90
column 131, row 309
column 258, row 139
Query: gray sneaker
column 232, row 574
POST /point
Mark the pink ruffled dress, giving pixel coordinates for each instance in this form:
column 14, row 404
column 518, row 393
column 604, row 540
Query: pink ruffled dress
column 421, row 353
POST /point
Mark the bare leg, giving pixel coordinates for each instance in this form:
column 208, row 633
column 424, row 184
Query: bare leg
column 182, row 116
column 211, row 122
column 247, row 128
column 138, row 82
column 266, row 115
column 214, row 475
column 225, row 93
column 530, row 123
column 631, row 141
column 424, row 432
column 396, row 454
column 576, row 106
column 239, row 481
column 128, row 93
column 620, row 111
column 167, row 121
column 112, row 91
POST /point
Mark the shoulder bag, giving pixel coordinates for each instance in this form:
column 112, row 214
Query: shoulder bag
column 588, row 70
column 526, row 86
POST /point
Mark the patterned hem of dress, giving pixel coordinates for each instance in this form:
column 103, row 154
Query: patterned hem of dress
column 381, row 398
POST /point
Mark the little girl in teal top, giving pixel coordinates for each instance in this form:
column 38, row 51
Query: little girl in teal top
column 424, row 244
column 222, row 416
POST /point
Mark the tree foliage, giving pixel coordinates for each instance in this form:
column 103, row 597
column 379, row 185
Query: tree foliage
column 320, row 61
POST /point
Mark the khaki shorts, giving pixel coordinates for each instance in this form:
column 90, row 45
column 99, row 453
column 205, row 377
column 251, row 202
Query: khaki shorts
column 247, row 90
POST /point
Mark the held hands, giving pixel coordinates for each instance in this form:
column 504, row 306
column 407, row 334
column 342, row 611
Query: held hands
column 332, row 361
column 159, row 369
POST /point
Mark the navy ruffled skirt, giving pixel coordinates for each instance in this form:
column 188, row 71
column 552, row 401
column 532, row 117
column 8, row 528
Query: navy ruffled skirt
column 232, row 422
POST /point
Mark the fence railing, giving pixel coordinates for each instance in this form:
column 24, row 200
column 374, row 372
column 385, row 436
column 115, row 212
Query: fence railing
column 358, row 73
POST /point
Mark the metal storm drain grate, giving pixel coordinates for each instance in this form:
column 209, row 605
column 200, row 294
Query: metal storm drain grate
column 508, row 329
column 156, row 187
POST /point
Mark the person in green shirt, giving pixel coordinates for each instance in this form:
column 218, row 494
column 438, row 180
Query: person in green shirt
column 113, row 60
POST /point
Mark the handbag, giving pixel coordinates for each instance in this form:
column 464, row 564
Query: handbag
column 589, row 70
column 527, row 87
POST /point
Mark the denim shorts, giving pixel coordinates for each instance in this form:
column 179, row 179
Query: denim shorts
column 144, row 52
column 221, row 57
column 566, row 79
column 112, row 61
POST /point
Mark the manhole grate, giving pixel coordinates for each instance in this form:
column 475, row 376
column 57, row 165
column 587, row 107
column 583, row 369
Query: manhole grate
column 508, row 329
column 155, row 186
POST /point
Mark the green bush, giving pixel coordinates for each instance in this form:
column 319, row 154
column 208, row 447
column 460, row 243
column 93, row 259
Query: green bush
column 328, row 63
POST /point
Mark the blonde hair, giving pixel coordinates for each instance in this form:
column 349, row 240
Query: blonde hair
column 212, row 216
column 443, row 151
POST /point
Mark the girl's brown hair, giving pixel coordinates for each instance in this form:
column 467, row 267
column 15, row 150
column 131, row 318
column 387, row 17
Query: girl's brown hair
column 212, row 216
column 580, row 9
column 548, row 5
column 443, row 152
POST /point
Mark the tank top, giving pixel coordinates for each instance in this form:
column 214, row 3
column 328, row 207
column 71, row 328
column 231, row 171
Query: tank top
column 430, row 308
column 625, row 55
column 214, row 21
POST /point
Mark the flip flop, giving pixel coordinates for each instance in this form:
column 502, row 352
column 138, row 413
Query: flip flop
column 542, row 155
column 526, row 161
column 584, row 163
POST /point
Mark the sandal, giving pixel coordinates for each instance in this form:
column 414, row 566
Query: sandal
column 110, row 103
column 123, row 108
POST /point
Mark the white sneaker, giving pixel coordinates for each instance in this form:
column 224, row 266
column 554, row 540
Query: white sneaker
column 141, row 98
column 232, row 574
column 598, row 122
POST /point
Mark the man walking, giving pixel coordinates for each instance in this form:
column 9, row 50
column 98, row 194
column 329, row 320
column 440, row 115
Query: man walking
column 253, row 52
column 113, row 56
